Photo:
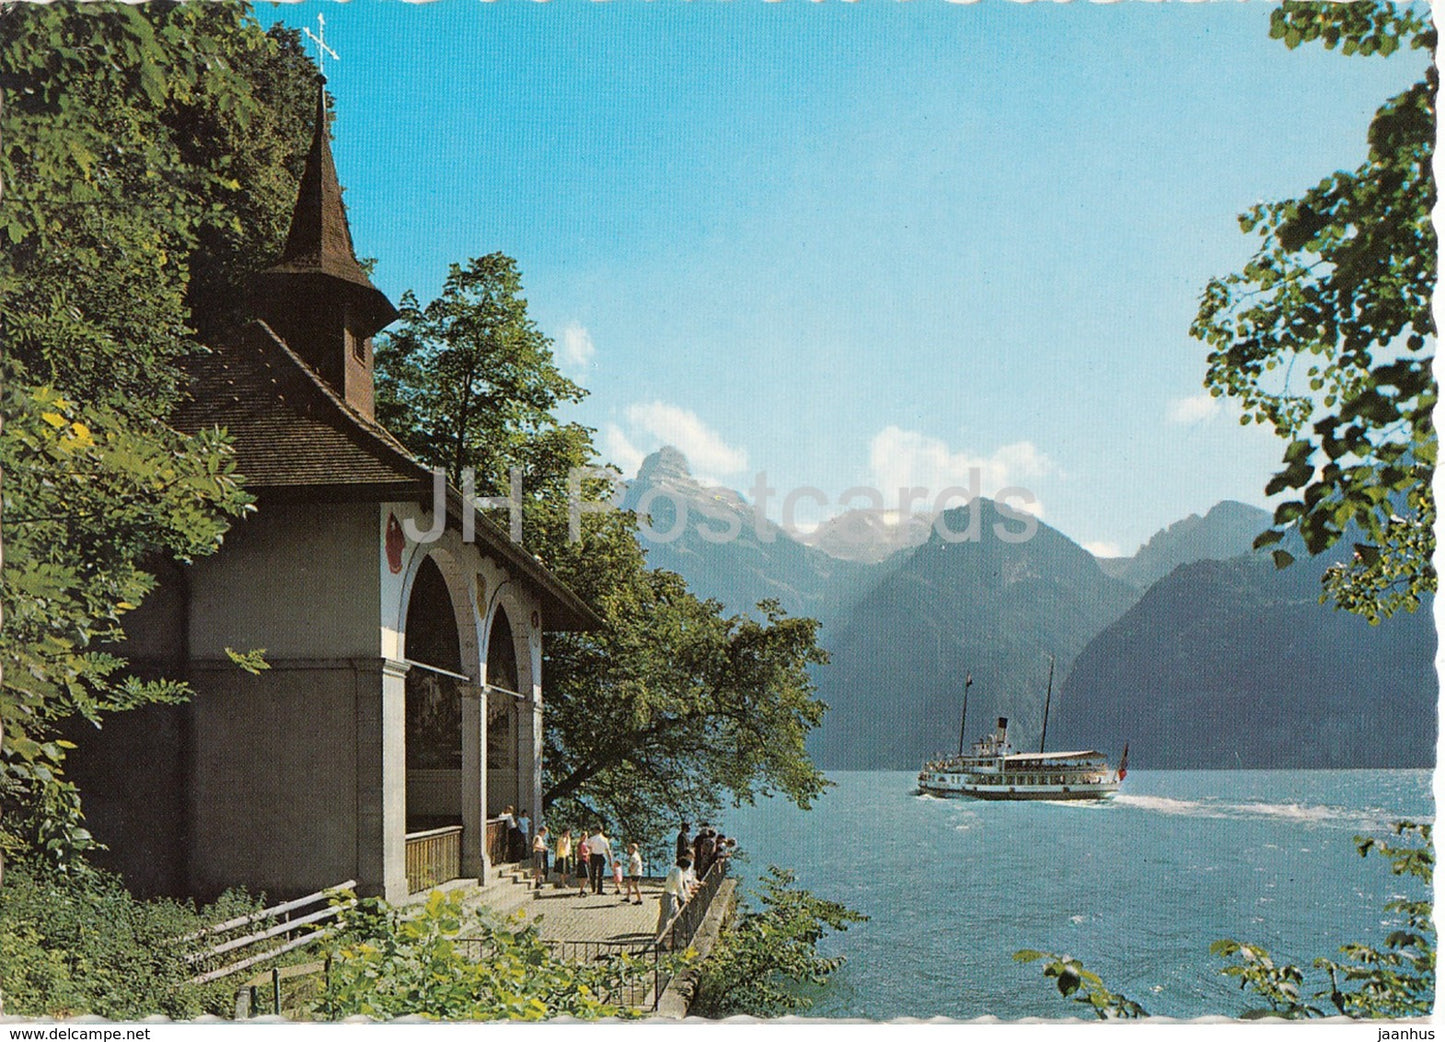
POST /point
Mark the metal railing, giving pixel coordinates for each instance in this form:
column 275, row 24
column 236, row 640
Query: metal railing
column 638, row 976
column 646, row 968
column 682, row 927
column 433, row 857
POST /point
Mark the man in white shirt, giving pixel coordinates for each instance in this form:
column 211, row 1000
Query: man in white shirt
column 599, row 850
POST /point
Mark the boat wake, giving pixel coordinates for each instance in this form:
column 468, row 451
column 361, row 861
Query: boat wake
column 1301, row 813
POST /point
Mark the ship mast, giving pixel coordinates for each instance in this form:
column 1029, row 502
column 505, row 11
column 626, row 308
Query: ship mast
column 1047, row 697
column 962, row 724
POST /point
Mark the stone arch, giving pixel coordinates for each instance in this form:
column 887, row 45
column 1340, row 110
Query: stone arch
column 464, row 611
column 439, row 641
column 512, row 727
column 502, row 668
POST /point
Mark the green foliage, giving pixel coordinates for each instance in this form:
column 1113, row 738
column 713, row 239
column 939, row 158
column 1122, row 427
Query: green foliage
column 1337, row 296
column 446, row 962
column 766, row 960
column 77, row 943
column 1393, row 980
column 469, row 381
column 1278, row 985
column 672, row 705
column 1083, row 986
column 148, row 154
column 1397, row 980
column 1366, row 28
column 1388, row 574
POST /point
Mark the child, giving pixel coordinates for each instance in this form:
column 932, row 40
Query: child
column 634, row 873
column 617, row 877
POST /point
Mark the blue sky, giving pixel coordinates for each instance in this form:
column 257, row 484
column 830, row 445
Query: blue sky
column 873, row 243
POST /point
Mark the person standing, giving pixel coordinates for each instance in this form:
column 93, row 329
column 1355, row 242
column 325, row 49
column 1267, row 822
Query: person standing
column 564, row 858
column 634, row 874
column 674, row 893
column 722, row 850
column 599, row 850
column 684, row 840
column 703, row 849
column 524, row 830
column 539, row 858
column 584, row 855
column 689, row 878
column 514, row 842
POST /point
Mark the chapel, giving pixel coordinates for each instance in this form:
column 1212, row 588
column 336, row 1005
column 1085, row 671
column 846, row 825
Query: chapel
column 401, row 708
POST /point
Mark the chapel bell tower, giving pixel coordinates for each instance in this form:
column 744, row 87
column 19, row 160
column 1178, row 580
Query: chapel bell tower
column 316, row 297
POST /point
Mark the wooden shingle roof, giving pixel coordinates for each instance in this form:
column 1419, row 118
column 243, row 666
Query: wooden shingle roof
column 289, row 427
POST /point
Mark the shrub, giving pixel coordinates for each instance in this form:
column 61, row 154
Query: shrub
column 766, row 960
column 78, row 942
column 447, row 962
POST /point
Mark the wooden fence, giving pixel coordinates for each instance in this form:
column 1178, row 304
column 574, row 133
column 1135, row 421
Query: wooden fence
column 433, row 857
column 276, row 930
column 497, row 842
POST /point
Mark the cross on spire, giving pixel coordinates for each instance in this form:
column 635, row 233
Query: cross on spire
column 319, row 39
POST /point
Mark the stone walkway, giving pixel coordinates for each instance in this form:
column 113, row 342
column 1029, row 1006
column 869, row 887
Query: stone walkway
column 565, row 916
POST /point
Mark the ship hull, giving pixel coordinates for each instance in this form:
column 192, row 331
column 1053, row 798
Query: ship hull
column 1001, row 793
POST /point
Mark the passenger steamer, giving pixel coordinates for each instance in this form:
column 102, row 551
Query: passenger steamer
column 993, row 771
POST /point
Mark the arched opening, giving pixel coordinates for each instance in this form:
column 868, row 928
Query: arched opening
column 504, row 703
column 433, row 704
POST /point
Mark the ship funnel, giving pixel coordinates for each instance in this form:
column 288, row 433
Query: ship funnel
column 1002, row 726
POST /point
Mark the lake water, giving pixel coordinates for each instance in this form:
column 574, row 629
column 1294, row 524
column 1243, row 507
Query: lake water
column 1137, row 887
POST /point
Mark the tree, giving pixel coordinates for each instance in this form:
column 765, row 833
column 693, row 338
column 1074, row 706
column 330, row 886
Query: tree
column 149, row 160
column 671, row 706
column 147, row 155
column 766, row 961
column 469, row 381
column 1083, row 986
column 1338, row 295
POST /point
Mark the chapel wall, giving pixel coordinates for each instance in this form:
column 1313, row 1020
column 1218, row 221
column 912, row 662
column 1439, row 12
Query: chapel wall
column 278, row 784
column 297, row 579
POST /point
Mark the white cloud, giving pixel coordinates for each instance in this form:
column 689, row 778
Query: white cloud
column 619, row 450
column 909, row 459
column 1104, row 549
column 1200, row 408
column 577, row 346
column 681, row 428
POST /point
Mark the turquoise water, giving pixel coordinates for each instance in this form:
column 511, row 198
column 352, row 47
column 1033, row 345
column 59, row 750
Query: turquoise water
column 1137, row 887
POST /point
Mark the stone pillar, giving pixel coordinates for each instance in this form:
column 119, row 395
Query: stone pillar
column 534, row 707
column 381, row 780
column 533, row 779
column 474, row 782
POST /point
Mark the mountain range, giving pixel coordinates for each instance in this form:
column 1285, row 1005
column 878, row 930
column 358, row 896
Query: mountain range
column 1195, row 649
